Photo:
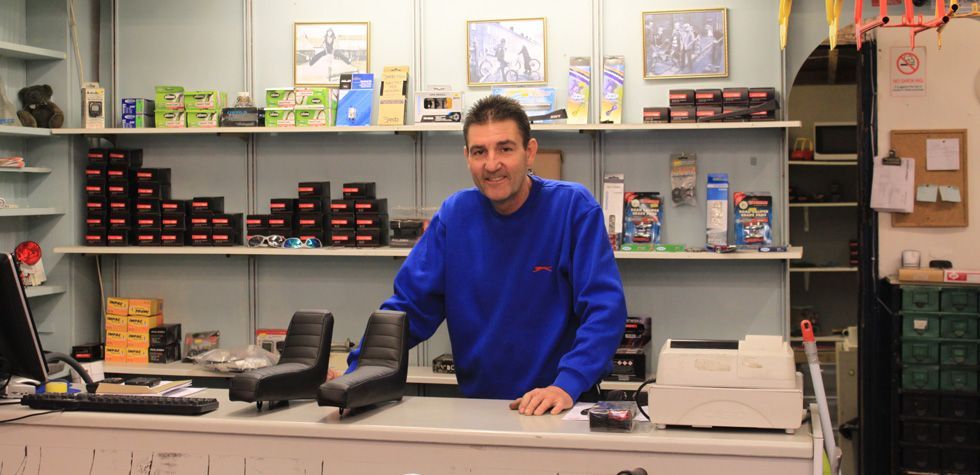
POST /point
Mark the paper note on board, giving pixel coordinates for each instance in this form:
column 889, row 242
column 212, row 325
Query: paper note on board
column 950, row 194
column 942, row 154
column 926, row 193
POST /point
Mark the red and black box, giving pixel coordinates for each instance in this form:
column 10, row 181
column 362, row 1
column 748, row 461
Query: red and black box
column 735, row 108
column 88, row 352
column 683, row 114
column 281, row 221
column 371, row 221
column 172, row 237
column 95, row 237
column 95, row 187
column 120, row 204
column 359, row 190
column 96, row 219
column 313, row 205
column 368, row 237
column 342, row 206
column 130, row 158
column 120, row 221
column 173, row 221
column 257, row 224
column 736, row 96
column 159, row 175
column 314, row 189
column 214, row 204
column 118, row 189
column 96, row 204
column 117, row 238
column 282, row 205
column 95, row 171
column 98, row 156
column 379, row 205
column 164, row 354
column 148, row 237
column 225, row 236
column 148, row 205
column 227, row 220
column 117, row 172
column 200, row 220
column 149, row 221
column 199, row 237
column 343, row 237
column 708, row 97
column 153, row 189
column 173, row 206
column 707, row 111
column 656, row 115
column 758, row 95
column 309, row 221
column 319, row 234
column 681, row 97
column 763, row 116
column 342, row 220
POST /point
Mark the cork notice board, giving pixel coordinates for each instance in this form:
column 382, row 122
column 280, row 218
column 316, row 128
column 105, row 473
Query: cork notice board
column 941, row 214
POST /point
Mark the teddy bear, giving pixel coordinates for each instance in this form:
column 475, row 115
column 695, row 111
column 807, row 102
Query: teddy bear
column 38, row 109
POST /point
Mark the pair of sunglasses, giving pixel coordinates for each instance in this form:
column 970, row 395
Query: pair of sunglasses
column 274, row 240
column 297, row 243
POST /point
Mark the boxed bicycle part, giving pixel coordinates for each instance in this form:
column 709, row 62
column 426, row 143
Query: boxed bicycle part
column 681, row 97
column 227, row 220
column 120, row 221
column 612, row 416
column 168, row 98
column 214, row 204
column 370, row 237
column 98, row 156
column 95, row 237
column 200, row 220
column 199, row 236
column 88, row 352
column 147, row 237
column 359, row 190
column 240, row 117
column 759, row 95
column 708, row 97
column 159, row 175
column 281, row 220
column 342, row 220
column 205, row 100
column 313, row 205
column 202, row 118
column 753, row 219
column 343, row 237
column 369, row 205
column 637, row 332
column 438, row 106
column 280, row 97
column 142, row 313
column 612, row 206
column 138, row 121
column 750, row 383
column 280, row 117
column 170, row 119
column 443, row 364
column 137, row 355
column 137, row 106
column 702, row 112
column 147, row 206
column 683, row 179
column 282, row 205
column 735, row 96
column 153, row 190
column 656, row 115
column 316, row 96
column 683, row 114
column 225, row 236
column 200, row 342
column 93, row 106
column 311, row 116
column 117, row 238
column 314, row 189
column 394, row 87
column 717, row 209
column 406, row 232
column 372, row 221
column 354, row 99
column 629, row 364
column 579, row 89
column 165, row 334
column 613, row 91
column 342, row 206
column 117, row 188
column 172, row 237
column 149, row 221
column 272, row 340
column 126, row 157
column 642, row 220
column 534, row 100
column 309, row 221
column 164, row 354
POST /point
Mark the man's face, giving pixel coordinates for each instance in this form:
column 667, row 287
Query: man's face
column 499, row 163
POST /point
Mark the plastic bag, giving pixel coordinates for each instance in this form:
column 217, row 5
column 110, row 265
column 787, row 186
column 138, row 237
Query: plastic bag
column 236, row 360
column 683, row 179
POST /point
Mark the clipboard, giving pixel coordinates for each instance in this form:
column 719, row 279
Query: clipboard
column 893, row 184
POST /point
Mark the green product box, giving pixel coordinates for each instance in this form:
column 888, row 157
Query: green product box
column 204, row 100
column 280, row 117
column 170, row 119
column 634, row 247
column 280, row 97
column 169, row 98
column 203, row 118
column 669, row 248
column 310, row 116
column 316, row 96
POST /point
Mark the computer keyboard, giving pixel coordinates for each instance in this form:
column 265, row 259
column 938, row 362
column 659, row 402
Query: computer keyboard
column 185, row 406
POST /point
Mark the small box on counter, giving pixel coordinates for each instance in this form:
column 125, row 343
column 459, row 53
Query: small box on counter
column 314, row 189
column 612, row 416
column 656, row 115
column 165, row 334
column 282, row 205
column 683, row 114
column 284, row 97
column 708, row 97
column 240, row 117
column 137, row 355
column 115, row 354
column 117, row 323
column 371, row 205
column 629, row 364
column 164, row 354
column 681, row 97
column 343, row 237
column 444, row 364
column 145, row 308
column 88, row 352
column 214, row 204
column 737, row 96
column 117, row 306
column 359, row 190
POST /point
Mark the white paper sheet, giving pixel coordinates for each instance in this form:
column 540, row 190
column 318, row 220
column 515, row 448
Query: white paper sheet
column 926, row 193
column 942, row 154
column 893, row 186
column 950, row 194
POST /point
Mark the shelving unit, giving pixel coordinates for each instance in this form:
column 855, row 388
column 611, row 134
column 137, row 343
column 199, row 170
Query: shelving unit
column 824, row 205
column 17, row 212
column 18, row 131
column 823, row 163
column 822, row 269
column 29, row 53
column 38, row 170
column 44, row 290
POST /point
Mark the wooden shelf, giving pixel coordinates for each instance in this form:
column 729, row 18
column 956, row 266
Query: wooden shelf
column 32, row 53
column 823, row 269
column 844, row 204
column 25, row 170
column 43, row 290
column 14, row 130
column 824, row 163
column 794, row 252
column 12, row 212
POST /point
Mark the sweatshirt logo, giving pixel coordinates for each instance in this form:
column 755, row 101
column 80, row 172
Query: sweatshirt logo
column 541, row 268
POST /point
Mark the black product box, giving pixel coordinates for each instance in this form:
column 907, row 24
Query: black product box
column 309, row 220
column 88, row 352
column 343, row 237
column 96, row 219
column 117, row 172
column 164, row 354
column 95, row 171
column 95, row 237
column 148, row 205
column 727, row 109
column 308, row 233
column 683, row 114
column 159, row 175
column 173, row 206
column 173, row 221
column 681, row 97
column 708, row 97
column 199, row 237
column 636, row 333
column 117, row 238
column 407, row 228
column 256, row 221
column 172, row 237
column 226, row 220
column 95, row 187
column 120, row 221
column 284, row 231
column 225, row 236
column 240, row 117
column 118, row 188
column 148, row 237
column 763, row 116
column 200, row 220
column 281, row 221
column 342, row 206
column 629, row 364
column 371, row 221
column 656, row 115
column 130, row 158
column 153, row 189
column 120, row 204
column 282, row 205
column 149, row 221
column 313, row 205
column 342, row 220
column 314, row 189
column 96, row 204
column 364, row 190
column 371, row 206
column 444, row 364
column 214, row 204
column 366, row 237
column 258, row 231
column 758, row 95
column 707, row 111
column 736, row 96
column 98, row 156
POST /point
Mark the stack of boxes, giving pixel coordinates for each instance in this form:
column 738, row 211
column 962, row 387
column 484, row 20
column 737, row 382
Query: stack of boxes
column 110, row 195
column 630, row 360
column 694, row 105
column 137, row 113
column 176, row 108
column 169, row 112
column 127, row 328
column 300, row 107
column 210, row 225
column 359, row 219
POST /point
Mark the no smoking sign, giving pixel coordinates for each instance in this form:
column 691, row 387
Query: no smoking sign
column 908, row 72
column 908, row 63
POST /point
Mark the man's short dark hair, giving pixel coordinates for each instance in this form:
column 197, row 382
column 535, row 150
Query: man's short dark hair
column 497, row 109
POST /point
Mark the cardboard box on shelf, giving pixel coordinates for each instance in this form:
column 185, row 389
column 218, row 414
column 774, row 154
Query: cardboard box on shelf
column 117, row 323
column 137, row 355
column 920, row 274
column 115, row 354
column 117, row 306
column 143, row 324
column 145, row 307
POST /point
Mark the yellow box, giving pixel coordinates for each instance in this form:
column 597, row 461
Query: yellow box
column 116, row 338
column 119, row 323
column 145, row 307
column 138, row 339
column 137, row 355
column 117, row 306
column 143, row 324
column 114, row 354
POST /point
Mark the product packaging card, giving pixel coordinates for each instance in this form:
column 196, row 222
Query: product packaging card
column 280, row 97
column 170, row 119
column 137, row 106
column 579, row 88
column 613, row 74
column 93, row 106
column 613, row 186
column 642, row 218
column 438, row 106
column 717, row 204
column 753, row 219
column 534, row 100
column 355, row 98
column 169, row 98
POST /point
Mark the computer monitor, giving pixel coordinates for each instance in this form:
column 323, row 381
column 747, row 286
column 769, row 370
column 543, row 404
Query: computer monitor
column 20, row 347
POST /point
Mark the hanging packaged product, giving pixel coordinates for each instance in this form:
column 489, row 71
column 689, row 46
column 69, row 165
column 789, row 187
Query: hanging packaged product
column 613, row 76
column 683, row 179
column 753, row 219
column 579, row 84
column 717, row 209
column 642, row 219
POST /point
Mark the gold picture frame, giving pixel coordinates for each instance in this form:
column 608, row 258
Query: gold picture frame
column 679, row 44
column 506, row 52
column 322, row 51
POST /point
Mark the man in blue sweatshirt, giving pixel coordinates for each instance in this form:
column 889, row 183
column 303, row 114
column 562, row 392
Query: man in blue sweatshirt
column 521, row 269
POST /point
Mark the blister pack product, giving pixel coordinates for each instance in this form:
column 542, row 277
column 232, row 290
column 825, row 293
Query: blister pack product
column 753, row 219
column 642, row 220
column 683, row 179
column 717, row 209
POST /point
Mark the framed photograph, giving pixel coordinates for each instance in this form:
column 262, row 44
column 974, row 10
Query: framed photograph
column 685, row 44
column 506, row 52
column 324, row 51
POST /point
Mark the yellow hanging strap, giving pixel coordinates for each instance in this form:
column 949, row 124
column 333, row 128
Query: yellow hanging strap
column 784, row 10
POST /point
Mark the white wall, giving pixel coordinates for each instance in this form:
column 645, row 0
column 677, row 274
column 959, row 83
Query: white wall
column 951, row 102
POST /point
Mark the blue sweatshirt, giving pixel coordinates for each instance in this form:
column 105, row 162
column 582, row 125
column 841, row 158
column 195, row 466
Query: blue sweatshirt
column 531, row 299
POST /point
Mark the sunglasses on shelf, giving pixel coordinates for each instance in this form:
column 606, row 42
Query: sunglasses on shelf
column 297, row 243
column 274, row 240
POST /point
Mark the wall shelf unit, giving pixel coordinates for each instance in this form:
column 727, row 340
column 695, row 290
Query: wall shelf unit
column 824, row 205
column 18, row 131
column 18, row 212
column 44, row 290
column 823, row 163
column 29, row 53
column 29, row 170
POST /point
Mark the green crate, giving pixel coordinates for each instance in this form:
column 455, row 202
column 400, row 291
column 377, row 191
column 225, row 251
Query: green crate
column 959, row 300
column 958, row 352
column 920, row 377
column 919, row 298
column 920, row 325
column 958, row 379
column 920, row 352
column 958, row 326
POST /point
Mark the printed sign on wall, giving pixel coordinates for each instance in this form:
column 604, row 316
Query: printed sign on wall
column 908, row 71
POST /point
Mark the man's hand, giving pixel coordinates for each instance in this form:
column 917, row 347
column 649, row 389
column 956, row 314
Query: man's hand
column 331, row 374
column 538, row 401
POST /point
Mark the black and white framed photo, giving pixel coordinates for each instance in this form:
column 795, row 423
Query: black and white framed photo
column 324, row 51
column 685, row 44
column 506, row 52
